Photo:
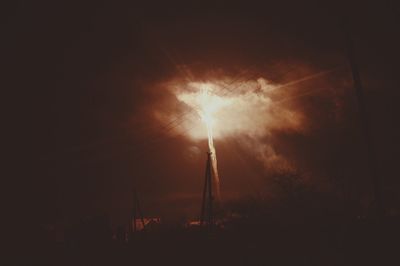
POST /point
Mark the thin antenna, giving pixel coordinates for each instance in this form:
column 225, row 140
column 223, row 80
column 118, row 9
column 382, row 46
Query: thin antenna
column 207, row 203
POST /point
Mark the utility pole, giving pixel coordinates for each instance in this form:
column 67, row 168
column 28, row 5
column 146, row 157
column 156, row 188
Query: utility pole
column 365, row 123
column 136, row 213
column 207, row 203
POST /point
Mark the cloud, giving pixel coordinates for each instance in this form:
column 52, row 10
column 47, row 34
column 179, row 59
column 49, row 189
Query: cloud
column 250, row 110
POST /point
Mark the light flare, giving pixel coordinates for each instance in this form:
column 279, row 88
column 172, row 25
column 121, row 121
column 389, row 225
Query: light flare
column 248, row 111
column 207, row 106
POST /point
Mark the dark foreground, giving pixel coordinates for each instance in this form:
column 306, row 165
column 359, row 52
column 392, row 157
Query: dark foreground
column 244, row 241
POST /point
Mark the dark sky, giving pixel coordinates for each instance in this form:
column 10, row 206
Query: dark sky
column 84, row 76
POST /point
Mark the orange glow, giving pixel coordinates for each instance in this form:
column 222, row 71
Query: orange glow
column 242, row 108
column 248, row 110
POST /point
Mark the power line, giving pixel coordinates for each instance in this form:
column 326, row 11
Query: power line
column 181, row 118
column 152, row 143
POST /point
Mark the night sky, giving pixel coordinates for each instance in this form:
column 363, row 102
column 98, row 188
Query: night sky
column 86, row 82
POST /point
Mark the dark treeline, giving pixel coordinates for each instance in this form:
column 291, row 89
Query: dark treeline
column 300, row 227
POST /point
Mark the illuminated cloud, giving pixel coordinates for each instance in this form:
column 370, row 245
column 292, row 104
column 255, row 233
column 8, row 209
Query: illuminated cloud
column 249, row 110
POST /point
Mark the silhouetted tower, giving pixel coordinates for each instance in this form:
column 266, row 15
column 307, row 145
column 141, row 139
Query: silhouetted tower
column 136, row 214
column 207, row 216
